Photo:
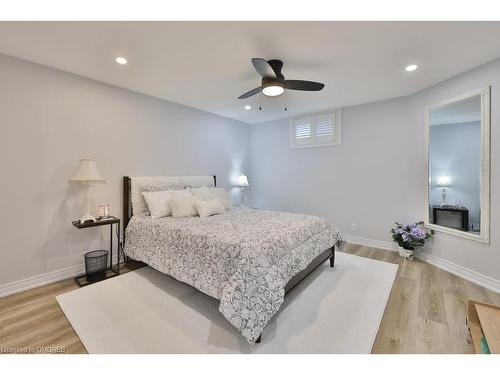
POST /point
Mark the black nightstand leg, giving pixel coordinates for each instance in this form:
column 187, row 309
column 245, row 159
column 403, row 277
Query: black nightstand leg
column 111, row 247
column 118, row 249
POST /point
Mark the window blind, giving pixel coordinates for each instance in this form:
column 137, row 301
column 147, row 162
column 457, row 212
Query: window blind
column 303, row 131
column 317, row 130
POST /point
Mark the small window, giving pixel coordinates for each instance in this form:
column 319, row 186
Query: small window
column 324, row 128
column 302, row 131
column 317, row 130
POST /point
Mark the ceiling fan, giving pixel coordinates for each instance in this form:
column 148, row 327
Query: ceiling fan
column 274, row 83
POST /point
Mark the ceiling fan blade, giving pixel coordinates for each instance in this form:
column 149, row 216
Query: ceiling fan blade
column 250, row 93
column 263, row 68
column 294, row 84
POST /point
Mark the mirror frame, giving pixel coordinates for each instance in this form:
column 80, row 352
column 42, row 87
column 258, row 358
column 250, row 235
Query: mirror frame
column 484, row 234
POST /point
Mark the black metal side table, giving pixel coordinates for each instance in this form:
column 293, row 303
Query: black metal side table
column 115, row 270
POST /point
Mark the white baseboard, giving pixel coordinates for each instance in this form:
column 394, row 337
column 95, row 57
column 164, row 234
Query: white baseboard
column 460, row 271
column 370, row 243
column 39, row 280
column 465, row 273
column 44, row 279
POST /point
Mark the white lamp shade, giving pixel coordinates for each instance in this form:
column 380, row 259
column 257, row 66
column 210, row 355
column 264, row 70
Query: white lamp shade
column 443, row 181
column 87, row 172
column 242, row 181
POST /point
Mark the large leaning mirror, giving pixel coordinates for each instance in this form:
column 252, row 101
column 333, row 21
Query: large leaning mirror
column 457, row 195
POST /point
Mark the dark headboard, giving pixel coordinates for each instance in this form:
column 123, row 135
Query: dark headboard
column 127, row 202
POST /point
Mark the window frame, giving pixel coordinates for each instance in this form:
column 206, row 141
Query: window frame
column 337, row 116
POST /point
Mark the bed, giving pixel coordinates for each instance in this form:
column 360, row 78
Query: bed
column 248, row 259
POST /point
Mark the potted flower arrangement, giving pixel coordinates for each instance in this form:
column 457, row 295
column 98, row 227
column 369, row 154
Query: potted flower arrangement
column 409, row 236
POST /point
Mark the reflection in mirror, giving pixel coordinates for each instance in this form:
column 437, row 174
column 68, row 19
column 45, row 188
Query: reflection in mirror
column 455, row 165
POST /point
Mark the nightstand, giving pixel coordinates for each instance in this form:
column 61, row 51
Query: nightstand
column 115, row 270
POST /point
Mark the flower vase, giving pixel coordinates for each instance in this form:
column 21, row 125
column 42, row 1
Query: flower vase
column 404, row 253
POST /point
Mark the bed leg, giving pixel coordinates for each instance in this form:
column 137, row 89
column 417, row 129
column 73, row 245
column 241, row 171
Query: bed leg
column 258, row 339
column 332, row 258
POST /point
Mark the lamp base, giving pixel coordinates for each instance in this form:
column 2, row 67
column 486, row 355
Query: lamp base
column 242, row 197
column 86, row 218
column 443, row 195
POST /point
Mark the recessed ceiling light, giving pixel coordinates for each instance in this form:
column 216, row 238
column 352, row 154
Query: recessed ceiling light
column 411, row 68
column 121, row 60
column 248, row 107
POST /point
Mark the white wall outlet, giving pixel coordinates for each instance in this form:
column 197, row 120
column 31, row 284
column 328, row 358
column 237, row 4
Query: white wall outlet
column 86, row 248
column 354, row 227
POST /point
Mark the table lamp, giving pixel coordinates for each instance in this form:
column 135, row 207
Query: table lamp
column 444, row 182
column 87, row 175
column 242, row 183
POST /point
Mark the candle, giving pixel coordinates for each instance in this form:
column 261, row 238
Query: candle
column 104, row 210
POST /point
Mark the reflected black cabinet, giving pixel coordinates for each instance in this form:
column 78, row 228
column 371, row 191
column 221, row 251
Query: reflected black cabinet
column 451, row 217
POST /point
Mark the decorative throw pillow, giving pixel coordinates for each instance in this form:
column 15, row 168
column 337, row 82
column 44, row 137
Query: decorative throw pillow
column 149, row 184
column 181, row 194
column 223, row 197
column 158, row 203
column 204, row 193
column 209, row 208
column 184, row 206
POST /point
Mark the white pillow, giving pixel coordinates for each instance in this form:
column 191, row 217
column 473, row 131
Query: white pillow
column 184, row 206
column 223, row 197
column 158, row 203
column 204, row 193
column 209, row 208
column 181, row 194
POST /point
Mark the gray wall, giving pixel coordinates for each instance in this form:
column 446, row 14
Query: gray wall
column 50, row 119
column 455, row 151
column 358, row 182
column 376, row 176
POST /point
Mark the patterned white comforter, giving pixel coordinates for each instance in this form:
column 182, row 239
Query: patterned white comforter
column 244, row 258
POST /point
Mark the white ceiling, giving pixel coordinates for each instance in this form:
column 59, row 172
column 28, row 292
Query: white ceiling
column 206, row 65
column 468, row 110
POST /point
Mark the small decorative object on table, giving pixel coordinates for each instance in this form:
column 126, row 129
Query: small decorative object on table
column 103, row 211
column 409, row 236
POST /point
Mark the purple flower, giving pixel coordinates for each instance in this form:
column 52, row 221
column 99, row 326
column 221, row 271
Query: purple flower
column 410, row 235
column 418, row 232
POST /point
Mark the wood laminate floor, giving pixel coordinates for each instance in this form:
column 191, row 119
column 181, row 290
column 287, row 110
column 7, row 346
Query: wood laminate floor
column 426, row 309
column 425, row 312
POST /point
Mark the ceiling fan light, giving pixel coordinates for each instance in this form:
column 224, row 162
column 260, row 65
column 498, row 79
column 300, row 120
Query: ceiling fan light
column 273, row 90
column 121, row 60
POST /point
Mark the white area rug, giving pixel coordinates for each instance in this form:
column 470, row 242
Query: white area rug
column 335, row 310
